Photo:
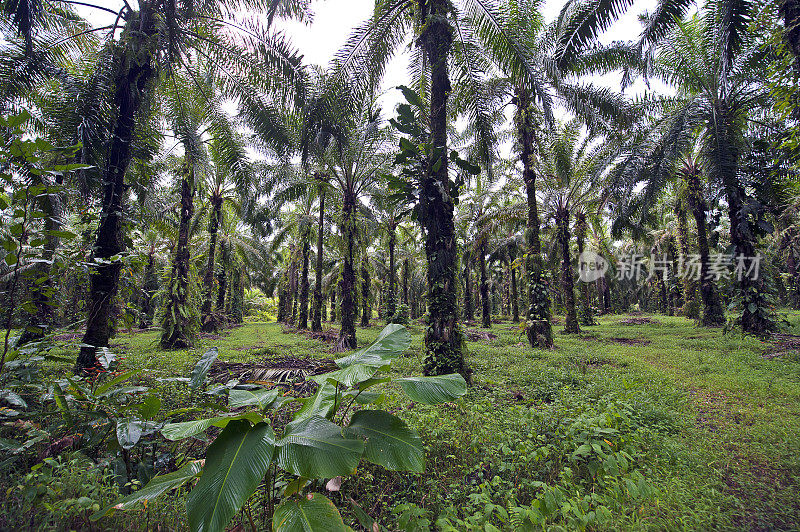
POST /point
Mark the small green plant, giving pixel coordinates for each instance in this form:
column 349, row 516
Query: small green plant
column 325, row 439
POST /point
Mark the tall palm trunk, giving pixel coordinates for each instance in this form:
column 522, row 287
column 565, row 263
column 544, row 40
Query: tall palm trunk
column 539, row 330
column 319, row 302
column 469, row 311
column 283, row 294
column 366, row 313
column 347, row 332
column 581, row 227
column 691, row 306
column 333, row 303
column 134, row 72
column 222, row 278
column 406, row 274
column 391, row 297
column 506, row 288
column 567, row 284
column 293, row 288
column 207, row 320
column 713, row 314
column 149, row 288
column 790, row 10
column 443, row 338
column 302, row 319
column 512, row 272
column 486, row 309
column 176, row 333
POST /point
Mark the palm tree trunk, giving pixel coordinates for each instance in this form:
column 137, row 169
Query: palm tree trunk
column 514, row 294
column 135, row 72
column 406, row 273
column 691, row 307
column 333, row 303
column 366, row 313
column 391, row 298
column 486, row 309
column 302, row 320
column 319, row 302
column 176, row 333
column 293, row 288
column 539, row 330
column 567, row 284
column 443, row 338
column 347, row 332
column 469, row 311
column 713, row 314
column 150, row 286
column 790, row 10
column 581, row 227
column 208, row 323
column 506, row 289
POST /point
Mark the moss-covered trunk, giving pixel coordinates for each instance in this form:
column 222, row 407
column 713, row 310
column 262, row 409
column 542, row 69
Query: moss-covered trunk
column 443, row 338
column 347, row 332
column 319, row 302
column 177, row 331
column 713, row 314
column 512, row 271
column 486, row 305
column 366, row 310
column 391, row 296
column 539, row 330
column 302, row 318
column 134, row 73
column 567, row 283
column 691, row 304
column 207, row 319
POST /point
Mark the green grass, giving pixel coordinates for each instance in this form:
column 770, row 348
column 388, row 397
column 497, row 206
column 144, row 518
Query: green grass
column 711, row 426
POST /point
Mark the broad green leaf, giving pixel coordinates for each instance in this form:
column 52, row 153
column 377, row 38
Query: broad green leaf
column 320, row 404
column 149, row 407
column 235, row 464
column 13, row 399
column 105, row 387
column 314, row 513
column 390, row 442
column 316, row 448
column 263, row 397
column 434, row 390
column 61, row 403
column 201, row 368
column 352, row 374
column 412, row 97
column 156, row 487
column 393, row 340
column 179, row 431
column 129, row 431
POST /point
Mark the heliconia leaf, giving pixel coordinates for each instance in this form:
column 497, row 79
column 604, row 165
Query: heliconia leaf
column 201, row 368
column 315, row 448
column 393, row 340
column 157, row 486
column 352, row 374
column 129, row 431
column 435, row 389
column 320, row 404
column 103, row 389
column 235, row 465
column 390, row 442
column 179, row 431
column 262, row 398
column 313, row 513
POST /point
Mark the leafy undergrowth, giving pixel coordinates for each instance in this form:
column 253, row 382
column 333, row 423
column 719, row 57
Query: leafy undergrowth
column 634, row 424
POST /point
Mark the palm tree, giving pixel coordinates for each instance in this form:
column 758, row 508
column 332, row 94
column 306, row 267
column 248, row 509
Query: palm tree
column 714, row 64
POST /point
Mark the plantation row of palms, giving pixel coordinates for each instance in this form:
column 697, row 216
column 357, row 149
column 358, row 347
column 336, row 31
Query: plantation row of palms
column 207, row 158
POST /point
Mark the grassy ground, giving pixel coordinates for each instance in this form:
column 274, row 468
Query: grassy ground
column 701, row 430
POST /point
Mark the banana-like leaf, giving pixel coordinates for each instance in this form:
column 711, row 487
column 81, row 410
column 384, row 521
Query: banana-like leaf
column 320, row 404
column 262, row 398
column 105, row 387
column 434, row 390
column 129, row 431
column 390, row 442
column 314, row 513
column 350, row 375
column 315, row 448
column 393, row 340
column 156, row 487
column 201, row 368
column 235, row 464
column 179, row 431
